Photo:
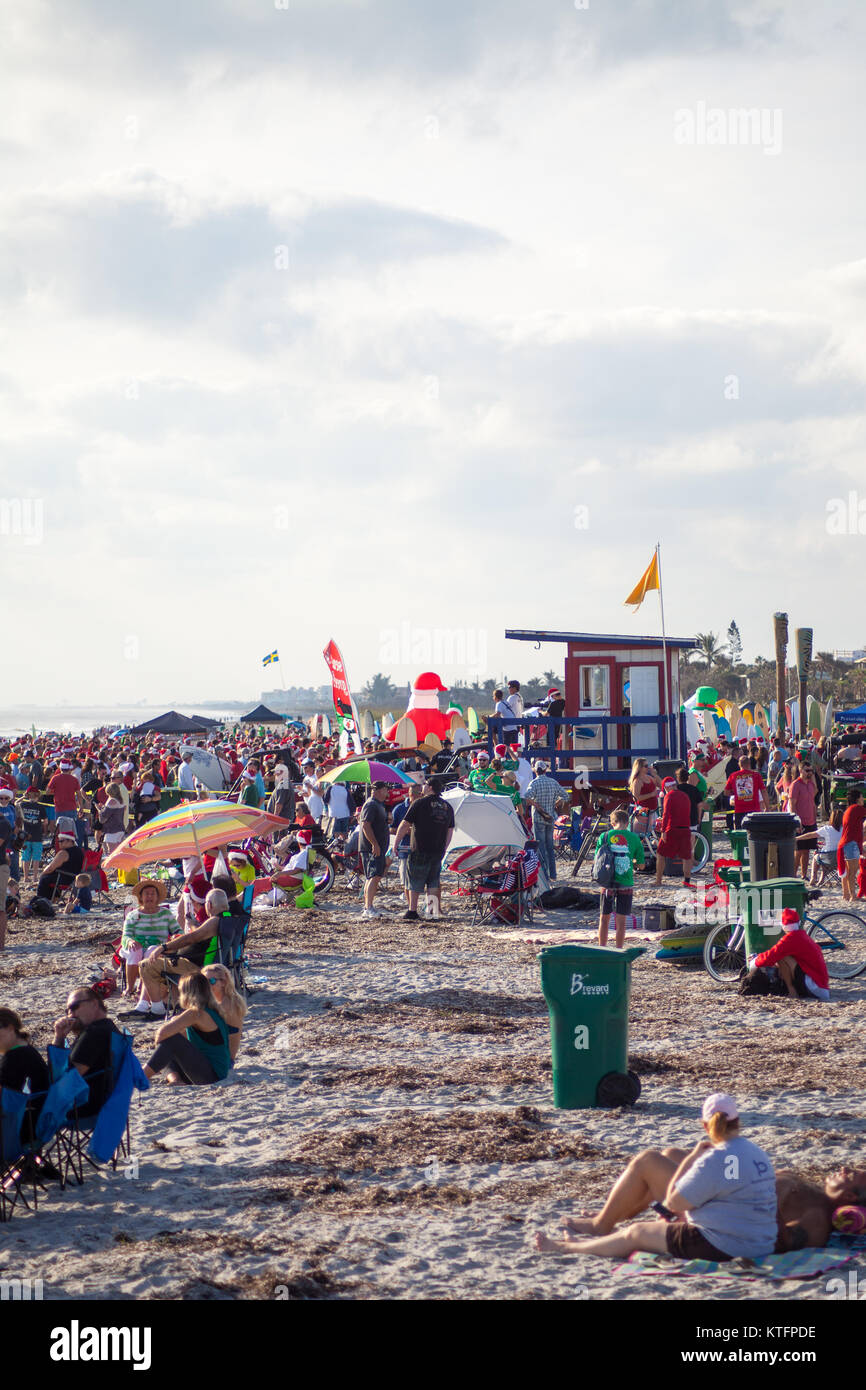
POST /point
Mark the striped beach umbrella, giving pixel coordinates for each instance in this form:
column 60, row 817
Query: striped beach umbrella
column 190, row 829
column 366, row 771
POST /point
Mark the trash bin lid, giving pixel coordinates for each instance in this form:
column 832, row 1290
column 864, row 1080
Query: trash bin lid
column 770, row 825
column 779, row 885
column 599, row 954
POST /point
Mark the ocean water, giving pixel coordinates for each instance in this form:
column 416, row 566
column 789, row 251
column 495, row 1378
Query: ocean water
column 78, row 719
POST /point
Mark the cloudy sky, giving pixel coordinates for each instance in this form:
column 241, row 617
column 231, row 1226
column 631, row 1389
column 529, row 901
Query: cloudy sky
column 406, row 321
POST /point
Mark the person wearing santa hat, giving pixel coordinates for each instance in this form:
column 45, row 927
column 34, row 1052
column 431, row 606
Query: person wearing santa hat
column 799, row 961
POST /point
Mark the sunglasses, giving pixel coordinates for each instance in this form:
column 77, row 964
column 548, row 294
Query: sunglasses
column 73, row 1008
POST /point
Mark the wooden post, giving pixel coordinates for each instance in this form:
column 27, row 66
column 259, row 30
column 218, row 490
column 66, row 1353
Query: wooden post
column 803, row 642
column 780, row 630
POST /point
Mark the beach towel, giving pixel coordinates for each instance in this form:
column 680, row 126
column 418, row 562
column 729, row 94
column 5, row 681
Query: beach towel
column 793, row 1264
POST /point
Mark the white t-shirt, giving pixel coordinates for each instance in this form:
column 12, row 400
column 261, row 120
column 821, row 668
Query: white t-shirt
column 828, row 839
column 338, row 803
column 524, row 775
column 186, row 778
column 312, row 796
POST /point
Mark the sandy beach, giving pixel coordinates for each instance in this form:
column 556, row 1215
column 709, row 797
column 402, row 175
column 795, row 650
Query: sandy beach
column 389, row 1130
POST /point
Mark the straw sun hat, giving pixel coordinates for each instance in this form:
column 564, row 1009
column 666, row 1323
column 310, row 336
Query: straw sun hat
column 149, row 883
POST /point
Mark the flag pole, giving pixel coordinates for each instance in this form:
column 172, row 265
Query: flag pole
column 664, row 649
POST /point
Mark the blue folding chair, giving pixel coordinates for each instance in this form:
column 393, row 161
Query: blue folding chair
column 103, row 1137
column 12, row 1107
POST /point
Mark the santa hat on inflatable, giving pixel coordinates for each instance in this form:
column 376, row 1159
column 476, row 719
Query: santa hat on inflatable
column 426, row 690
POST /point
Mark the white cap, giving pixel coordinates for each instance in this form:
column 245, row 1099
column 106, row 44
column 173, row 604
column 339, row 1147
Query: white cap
column 719, row 1103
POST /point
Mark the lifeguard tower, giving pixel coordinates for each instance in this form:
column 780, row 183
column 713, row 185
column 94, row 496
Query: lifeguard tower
column 622, row 701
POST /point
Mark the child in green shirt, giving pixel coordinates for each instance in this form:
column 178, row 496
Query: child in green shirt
column 628, row 854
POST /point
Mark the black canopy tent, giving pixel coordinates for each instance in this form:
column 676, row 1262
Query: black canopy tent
column 174, row 723
column 262, row 715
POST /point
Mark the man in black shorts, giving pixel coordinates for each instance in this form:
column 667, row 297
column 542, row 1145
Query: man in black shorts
column 375, row 838
column 431, row 823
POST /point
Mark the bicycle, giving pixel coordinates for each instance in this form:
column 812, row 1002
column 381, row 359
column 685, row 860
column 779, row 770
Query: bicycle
column 834, row 931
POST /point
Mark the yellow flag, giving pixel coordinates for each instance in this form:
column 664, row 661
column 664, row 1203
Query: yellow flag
column 648, row 580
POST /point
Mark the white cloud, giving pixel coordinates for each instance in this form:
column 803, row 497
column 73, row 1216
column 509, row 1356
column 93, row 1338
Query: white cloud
column 509, row 293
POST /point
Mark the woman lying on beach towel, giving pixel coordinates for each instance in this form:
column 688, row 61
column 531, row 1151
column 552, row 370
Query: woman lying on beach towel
column 722, row 1196
column 804, row 1212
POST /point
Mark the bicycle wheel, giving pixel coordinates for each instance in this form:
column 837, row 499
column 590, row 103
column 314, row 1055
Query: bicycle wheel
column 842, row 938
column 723, row 957
column 700, row 852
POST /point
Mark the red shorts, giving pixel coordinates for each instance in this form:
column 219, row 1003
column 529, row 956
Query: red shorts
column 676, row 844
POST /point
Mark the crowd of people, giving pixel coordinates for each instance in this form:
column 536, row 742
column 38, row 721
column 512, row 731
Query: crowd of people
column 65, row 804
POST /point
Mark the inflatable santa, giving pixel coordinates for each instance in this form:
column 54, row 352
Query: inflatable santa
column 423, row 716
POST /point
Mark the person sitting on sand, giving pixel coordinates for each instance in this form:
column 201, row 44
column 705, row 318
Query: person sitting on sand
column 722, row 1196
column 231, row 1005
column 193, row 1048
column 804, row 1211
column 796, row 963
column 81, row 898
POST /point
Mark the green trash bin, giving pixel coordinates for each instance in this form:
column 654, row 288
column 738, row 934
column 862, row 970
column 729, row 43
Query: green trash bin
column 587, row 991
column 739, row 845
column 706, row 829
column 764, row 897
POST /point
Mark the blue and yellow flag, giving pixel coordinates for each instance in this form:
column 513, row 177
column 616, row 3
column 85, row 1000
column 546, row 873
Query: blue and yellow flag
column 271, row 656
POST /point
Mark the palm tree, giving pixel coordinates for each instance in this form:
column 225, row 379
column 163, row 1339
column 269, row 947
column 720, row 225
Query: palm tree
column 379, row 690
column 709, row 648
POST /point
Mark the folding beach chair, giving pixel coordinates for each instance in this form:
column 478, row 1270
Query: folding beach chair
column 12, row 1107
column 505, row 895
column 470, row 866
column 103, row 1137
column 98, row 878
column 233, row 944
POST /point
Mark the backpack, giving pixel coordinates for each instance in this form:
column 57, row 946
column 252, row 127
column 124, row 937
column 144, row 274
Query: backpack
column 41, row 907
column 757, row 982
column 603, row 866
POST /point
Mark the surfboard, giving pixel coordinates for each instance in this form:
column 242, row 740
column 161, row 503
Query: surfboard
column 472, row 722
column 814, row 716
column 829, row 718
column 762, row 722
column 367, row 730
column 406, row 733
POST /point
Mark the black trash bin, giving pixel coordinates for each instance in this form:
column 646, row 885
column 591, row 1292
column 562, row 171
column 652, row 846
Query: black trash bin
column 667, row 767
column 766, row 828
